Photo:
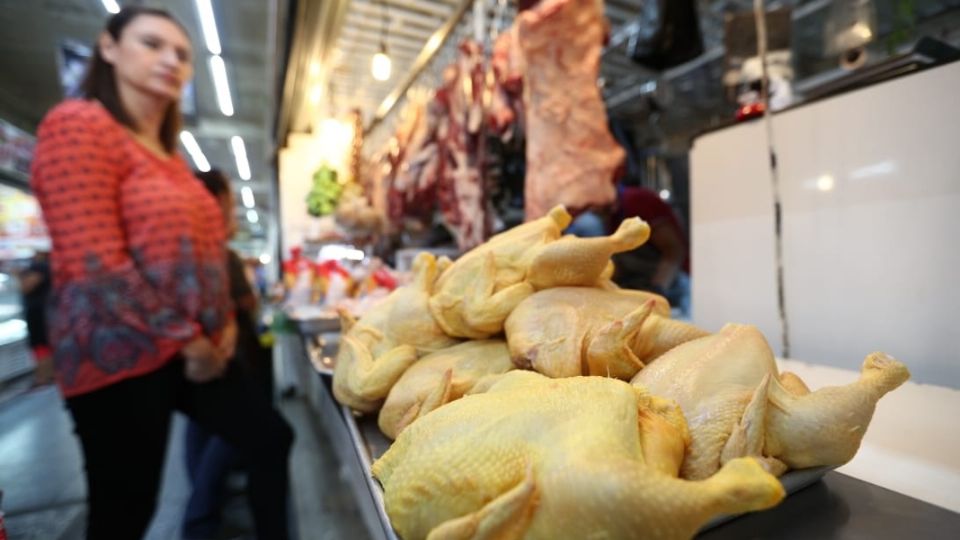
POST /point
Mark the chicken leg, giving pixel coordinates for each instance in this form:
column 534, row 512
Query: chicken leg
column 572, row 261
column 825, row 427
column 376, row 349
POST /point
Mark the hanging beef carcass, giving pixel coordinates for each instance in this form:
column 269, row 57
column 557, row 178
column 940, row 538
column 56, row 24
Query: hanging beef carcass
column 571, row 156
column 417, row 174
column 461, row 190
column 505, row 85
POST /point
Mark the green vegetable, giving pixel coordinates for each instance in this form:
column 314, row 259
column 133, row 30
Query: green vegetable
column 325, row 194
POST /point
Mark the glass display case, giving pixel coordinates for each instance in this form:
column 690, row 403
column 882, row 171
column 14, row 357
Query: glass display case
column 15, row 357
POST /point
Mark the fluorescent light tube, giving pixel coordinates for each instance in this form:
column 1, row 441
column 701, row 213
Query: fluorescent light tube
column 221, row 85
column 240, row 154
column 209, row 25
column 190, row 143
column 247, row 195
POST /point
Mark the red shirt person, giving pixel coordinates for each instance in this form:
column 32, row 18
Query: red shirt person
column 656, row 265
column 141, row 323
column 138, row 264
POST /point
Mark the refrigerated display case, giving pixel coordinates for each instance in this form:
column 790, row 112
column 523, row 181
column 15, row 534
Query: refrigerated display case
column 15, row 359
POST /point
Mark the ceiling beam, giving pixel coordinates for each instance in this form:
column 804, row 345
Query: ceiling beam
column 358, row 35
column 442, row 10
column 374, row 11
column 316, row 32
column 358, row 21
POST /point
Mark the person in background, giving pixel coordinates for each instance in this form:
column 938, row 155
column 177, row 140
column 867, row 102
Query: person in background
column 589, row 224
column 210, row 458
column 142, row 324
column 35, row 288
column 662, row 264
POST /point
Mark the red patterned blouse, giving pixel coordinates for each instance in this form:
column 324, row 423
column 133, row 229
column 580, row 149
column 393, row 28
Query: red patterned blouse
column 138, row 258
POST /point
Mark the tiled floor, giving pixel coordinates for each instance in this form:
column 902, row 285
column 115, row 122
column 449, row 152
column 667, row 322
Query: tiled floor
column 42, row 479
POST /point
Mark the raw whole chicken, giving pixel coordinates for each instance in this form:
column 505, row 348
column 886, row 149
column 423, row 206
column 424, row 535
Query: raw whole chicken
column 570, row 331
column 474, row 296
column 571, row 155
column 540, row 458
column 737, row 404
column 439, row 378
column 376, row 349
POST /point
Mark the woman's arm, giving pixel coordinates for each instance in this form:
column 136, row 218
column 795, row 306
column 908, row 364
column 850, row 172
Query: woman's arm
column 76, row 176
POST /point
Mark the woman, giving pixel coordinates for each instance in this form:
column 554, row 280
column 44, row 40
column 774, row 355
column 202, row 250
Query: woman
column 141, row 322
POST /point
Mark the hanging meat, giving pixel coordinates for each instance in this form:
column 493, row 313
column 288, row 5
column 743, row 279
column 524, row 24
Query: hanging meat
column 571, row 156
column 505, row 84
column 414, row 186
column 462, row 188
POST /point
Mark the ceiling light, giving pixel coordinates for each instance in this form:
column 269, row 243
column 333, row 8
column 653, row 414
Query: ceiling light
column 665, row 194
column 381, row 65
column 825, row 183
column 190, row 143
column 222, row 86
column 209, row 25
column 315, row 94
column 111, row 6
column 252, row 216
column 247, row 195
column 240, row 154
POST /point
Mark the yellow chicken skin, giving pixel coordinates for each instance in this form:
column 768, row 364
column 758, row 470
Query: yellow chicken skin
column 439, row 378
column 540, row 458
column 477, row 293
column 570, row 331
column 378, row 348
column 737, row 404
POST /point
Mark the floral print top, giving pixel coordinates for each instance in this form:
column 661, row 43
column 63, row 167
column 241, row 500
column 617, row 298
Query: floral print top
column 138, row 256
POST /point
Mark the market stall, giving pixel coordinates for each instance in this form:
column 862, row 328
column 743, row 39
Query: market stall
column 507, row 382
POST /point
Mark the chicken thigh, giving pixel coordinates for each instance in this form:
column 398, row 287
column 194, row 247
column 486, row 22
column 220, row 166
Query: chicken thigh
column 570, row 331
column 540, row 458
column 378, row 348
column 439, row 378
column 737, row 404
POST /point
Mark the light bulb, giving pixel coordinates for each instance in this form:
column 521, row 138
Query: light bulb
column 381, row 65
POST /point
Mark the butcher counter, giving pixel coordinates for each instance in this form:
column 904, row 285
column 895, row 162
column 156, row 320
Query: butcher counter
column 835, row 506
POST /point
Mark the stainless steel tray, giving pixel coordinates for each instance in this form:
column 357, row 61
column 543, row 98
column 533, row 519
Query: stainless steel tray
column 792, row 481
column 317, row 325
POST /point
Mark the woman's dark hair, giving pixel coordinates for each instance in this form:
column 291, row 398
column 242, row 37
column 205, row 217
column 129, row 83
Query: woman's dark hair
column 101, row 82
column 215, row 181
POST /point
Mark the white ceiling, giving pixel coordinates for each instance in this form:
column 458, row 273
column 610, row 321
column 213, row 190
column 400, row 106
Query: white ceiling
column 698, row 94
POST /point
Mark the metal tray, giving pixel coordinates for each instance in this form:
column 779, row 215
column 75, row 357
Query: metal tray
column 792, row 481
column 317, row 325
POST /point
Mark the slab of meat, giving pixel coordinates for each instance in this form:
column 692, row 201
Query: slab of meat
column 418, row 171
column 505, row 85
column 462, row 184
column 571, row 156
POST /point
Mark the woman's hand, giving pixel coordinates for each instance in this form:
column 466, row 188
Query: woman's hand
column 228, row 340
column 204, row 362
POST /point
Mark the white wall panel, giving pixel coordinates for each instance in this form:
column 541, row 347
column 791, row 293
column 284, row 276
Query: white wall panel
column 871, row 200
